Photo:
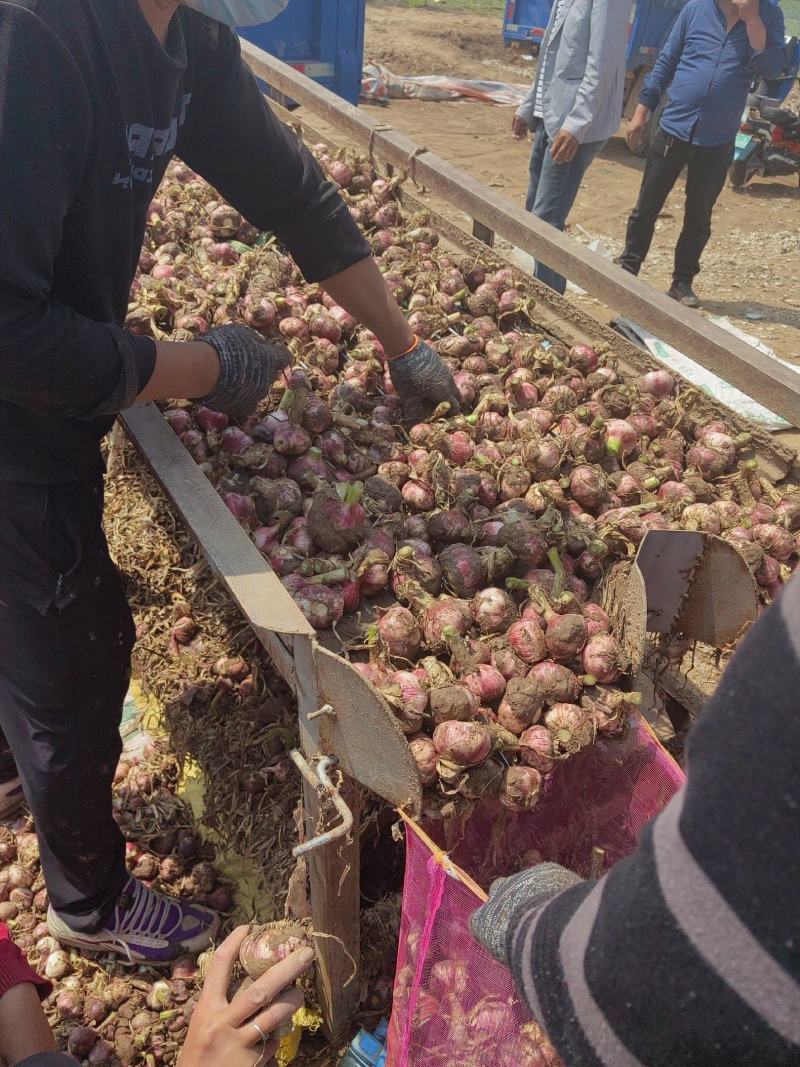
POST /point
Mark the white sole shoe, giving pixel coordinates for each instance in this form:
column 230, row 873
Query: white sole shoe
column 135, row 949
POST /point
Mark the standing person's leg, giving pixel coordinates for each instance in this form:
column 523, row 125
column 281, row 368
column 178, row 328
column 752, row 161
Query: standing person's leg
column 65, row 645
column 705, row 179
column 557, row 188
column 666, row 158
column 66, row 634
column 538, row 152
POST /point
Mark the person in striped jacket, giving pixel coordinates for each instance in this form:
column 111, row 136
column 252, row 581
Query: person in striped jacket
column 688, row 951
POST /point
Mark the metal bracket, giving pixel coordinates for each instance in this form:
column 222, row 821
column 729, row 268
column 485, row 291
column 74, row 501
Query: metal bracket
column 318, row 778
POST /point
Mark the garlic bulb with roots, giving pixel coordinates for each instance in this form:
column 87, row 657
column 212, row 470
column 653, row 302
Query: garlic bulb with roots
column 521, row 705
column 264, row 946
column 602, row 657
column 465, row 743
column 521, row 787
column 536, row 748
column 425, row 756
column 571, row 728
column 493, row 610
column 399, row 633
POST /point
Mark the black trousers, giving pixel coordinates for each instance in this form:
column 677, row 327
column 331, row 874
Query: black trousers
column 66, row 636
column 706, row 169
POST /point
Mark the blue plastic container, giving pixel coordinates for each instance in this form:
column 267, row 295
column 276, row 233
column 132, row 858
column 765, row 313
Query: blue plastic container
column 366, row 1049
column 323, row 39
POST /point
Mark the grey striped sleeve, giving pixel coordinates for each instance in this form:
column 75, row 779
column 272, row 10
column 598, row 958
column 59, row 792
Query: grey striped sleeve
column 688, row 952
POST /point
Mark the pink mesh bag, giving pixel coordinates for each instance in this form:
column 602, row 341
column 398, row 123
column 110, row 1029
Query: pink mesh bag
column 455, row 1006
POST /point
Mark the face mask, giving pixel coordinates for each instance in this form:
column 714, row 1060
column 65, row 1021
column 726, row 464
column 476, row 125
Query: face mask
column 239, row 12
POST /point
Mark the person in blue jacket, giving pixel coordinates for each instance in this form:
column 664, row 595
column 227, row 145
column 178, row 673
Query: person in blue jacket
column 715, row 50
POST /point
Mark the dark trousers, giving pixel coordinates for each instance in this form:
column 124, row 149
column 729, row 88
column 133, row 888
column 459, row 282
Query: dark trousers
column 66, row 636
column 706, row 169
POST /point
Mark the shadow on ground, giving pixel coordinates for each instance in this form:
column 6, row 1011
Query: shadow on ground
column 737, row 309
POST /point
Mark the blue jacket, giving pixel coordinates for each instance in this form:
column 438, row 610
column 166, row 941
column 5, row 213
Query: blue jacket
column 708, row 71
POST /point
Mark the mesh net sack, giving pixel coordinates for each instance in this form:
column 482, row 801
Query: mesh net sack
column 455, row 1006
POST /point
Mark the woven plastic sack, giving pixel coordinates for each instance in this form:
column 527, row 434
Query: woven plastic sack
column 455, row 1006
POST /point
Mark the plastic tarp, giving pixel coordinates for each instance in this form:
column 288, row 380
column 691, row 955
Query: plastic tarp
column 379, row 85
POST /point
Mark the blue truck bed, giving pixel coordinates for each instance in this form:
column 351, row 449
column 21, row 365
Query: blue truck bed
column 322, row 38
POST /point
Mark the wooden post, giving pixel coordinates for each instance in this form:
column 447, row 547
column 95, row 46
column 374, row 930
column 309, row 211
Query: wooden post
column 333, row 872
column 483, row 233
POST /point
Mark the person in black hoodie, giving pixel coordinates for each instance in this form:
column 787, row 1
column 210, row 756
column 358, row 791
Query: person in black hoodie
column 96, row 96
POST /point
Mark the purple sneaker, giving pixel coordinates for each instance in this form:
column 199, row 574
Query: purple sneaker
column 146, row 927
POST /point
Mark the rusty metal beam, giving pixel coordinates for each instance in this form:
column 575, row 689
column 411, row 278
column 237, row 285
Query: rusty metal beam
column 275, row 618
column 762, row 378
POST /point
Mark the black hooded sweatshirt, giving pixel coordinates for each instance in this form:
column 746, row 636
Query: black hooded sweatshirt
column 92, row 109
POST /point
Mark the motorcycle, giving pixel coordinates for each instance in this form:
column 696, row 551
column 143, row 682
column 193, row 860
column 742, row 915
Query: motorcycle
column 768, row 143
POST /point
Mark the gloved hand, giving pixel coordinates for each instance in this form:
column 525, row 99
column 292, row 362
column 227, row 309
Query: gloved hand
column 423, row 382
column 533, row 888
column 248, row 367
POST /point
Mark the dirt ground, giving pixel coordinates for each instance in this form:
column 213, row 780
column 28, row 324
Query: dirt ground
column 751, row 269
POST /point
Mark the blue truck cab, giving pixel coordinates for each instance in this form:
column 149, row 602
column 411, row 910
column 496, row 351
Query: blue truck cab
column 651, row 20
column 525, row 22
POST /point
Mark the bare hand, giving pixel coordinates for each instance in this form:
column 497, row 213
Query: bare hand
column 519, row 129
column 564, row 147
column 228, row 1033
column 636, row 132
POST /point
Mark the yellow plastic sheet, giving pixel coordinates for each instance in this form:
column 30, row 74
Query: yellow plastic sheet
column 252, row 899
column 304, row 1019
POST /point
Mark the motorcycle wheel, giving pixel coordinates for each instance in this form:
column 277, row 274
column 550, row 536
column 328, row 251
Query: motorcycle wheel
column 738, row 174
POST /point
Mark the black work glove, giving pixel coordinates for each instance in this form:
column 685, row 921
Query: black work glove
column 248, row 367
column 423, row 383
column 507, row 896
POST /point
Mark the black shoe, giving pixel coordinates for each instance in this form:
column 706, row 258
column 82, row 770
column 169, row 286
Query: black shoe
column 684, row 294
